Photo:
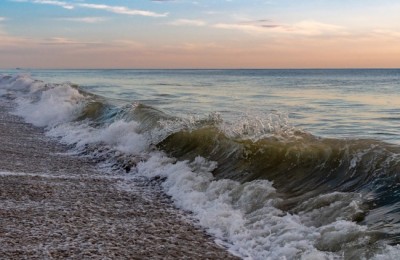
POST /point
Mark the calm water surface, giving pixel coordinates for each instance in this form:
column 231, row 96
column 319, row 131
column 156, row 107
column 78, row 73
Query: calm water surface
column 328, row 103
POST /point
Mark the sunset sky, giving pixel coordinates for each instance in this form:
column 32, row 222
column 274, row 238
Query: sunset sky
column 199, row 34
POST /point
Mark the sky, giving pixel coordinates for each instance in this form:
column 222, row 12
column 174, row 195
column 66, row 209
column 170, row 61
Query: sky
column 199, row 34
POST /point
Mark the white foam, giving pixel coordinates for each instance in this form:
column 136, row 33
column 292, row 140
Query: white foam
column 21, row 82
column 55, row 106
column 243, row 214
column 331, row 207
column 123, row 136
column 120, row 135
column 251, row 125
column 247, row 217
column 43, row 104
column 254, row 125
column 388, row 253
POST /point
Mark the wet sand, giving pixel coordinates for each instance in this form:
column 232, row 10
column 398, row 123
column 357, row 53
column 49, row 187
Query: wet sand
column 54, row 205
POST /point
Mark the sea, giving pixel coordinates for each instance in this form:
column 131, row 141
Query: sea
column 274, row 164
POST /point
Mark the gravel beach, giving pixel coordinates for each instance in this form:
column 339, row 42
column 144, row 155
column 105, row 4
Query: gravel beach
column 55, row 205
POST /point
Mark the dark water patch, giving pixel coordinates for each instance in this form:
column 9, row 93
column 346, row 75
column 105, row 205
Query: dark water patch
column 148, row 116
column 168, row 84
column 301, row 167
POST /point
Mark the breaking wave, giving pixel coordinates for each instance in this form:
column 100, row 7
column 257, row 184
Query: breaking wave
column 263, row 188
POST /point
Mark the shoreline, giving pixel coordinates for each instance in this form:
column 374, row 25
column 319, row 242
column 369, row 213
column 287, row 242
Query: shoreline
column 55, row 205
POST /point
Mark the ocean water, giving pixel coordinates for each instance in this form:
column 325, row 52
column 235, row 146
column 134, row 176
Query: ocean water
column 275, row 164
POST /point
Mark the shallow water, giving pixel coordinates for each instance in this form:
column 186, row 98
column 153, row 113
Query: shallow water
column 276, row 163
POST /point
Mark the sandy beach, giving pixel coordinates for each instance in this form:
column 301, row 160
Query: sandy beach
column 55, row 205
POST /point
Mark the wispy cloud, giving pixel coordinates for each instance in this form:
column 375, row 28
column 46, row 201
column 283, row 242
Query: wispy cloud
column 308, row 28
column 109, row 8
column 188, row 22
column 84, row 19
column 251, row 27
column 2, row 19
column 122, row 10
column 63, row 41
column 7, row 40
column 53, row 2
column 316, row 28
column 60, row 41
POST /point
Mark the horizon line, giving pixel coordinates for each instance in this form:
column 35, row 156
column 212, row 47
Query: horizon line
column 305, row 68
